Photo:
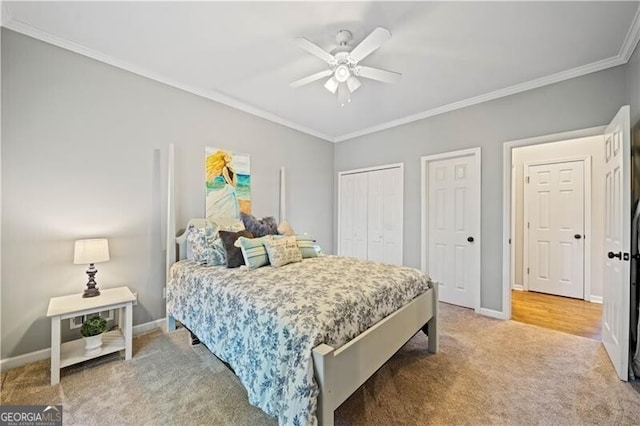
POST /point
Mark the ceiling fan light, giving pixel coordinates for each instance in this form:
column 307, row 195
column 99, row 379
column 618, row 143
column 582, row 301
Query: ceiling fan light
column 331, row 85
column 342, row 73
column 353, row 83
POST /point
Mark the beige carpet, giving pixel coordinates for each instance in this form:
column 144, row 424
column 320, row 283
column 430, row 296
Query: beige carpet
column 487, row 372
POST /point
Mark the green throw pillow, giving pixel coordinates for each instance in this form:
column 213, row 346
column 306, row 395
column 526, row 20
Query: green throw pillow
column 253, row 251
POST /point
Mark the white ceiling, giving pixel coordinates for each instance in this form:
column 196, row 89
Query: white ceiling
column 451, row 54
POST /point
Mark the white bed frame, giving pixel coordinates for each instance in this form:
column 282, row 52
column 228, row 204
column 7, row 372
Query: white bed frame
column 338, row 371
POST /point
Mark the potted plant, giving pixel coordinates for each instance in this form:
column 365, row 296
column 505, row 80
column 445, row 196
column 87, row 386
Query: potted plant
column 91, row 331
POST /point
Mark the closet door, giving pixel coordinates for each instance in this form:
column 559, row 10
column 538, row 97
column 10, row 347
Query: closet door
column 353, row 215
column 385, row 216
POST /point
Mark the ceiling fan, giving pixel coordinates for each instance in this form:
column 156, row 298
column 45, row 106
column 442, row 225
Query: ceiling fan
column 344, row 63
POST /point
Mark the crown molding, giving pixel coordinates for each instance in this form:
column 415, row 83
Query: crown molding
column 28, row 30
column 496, row 94
column 626, row 50
column 5, row 14
column 631, row 40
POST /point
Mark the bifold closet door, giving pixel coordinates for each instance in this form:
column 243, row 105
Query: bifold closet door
column 353, row 215
column 384, row 218
column 370, row 206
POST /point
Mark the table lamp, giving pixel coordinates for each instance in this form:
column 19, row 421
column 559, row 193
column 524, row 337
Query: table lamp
column 90, row 252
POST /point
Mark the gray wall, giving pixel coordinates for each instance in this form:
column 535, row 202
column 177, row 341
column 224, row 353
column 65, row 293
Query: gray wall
column 84, row 155
column 579, row 103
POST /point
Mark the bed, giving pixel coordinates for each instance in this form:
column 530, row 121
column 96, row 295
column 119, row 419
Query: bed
column 302, row 337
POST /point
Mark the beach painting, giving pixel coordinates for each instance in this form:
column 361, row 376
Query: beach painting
column 228, row 183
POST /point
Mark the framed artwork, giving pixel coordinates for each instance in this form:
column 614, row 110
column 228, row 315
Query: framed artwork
column 228, row 183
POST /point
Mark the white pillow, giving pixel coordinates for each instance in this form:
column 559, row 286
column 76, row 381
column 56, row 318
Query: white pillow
column 282, row 251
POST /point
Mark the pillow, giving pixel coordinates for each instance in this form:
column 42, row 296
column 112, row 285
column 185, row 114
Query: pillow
column 234, row 254
column 259, row 227
column 305, row 244
column 206, row 247
column 285, row 229
column 282, row 251
column 232, row 224
column 253, row 251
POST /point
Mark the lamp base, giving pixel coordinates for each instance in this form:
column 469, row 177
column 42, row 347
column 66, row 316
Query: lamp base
column 91, row 290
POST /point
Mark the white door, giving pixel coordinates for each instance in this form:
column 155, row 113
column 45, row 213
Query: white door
column 453, row 226
column 554, row 216
column 385, row 190
column 353, row 215
column 616, row 295
column 370, row 205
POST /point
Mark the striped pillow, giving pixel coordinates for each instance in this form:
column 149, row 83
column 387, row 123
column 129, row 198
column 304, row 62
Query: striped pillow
column 253, row 251
column 305, row 244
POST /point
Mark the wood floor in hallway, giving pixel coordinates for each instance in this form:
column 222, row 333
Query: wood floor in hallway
column 572, row 316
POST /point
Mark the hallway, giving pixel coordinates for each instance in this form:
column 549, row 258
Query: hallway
column 573, row 316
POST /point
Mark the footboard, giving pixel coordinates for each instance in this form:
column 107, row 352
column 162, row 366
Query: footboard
column 341, row 371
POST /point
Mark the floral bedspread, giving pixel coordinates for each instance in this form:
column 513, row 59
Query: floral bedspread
column 265, row 322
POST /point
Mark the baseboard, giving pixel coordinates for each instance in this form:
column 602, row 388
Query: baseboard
column 20, row 360
column 518, row 287
column 596, row 299
column 151, row 325
column 493, row 314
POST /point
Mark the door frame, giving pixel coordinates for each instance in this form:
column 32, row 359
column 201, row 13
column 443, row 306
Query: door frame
column 366, row 170
column 586, row 160
column 506, row 202
column 424, row 216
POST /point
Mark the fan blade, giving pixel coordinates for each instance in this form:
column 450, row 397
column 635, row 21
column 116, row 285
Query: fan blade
column 310, row 79
column 371, row 42
column 343, row 94
column 378, row 74
column 315, row 50
column 332, row 85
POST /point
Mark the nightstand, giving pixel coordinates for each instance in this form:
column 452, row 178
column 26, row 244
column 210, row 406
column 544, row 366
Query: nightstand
column 69, row 353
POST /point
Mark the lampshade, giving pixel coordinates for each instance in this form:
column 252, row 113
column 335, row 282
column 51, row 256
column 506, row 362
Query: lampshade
column 91, row 251
column 332, row 84
column 353, row 83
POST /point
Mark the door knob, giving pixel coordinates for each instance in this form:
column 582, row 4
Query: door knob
column 470, row 239
column 611, row 255
column 577, row 236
